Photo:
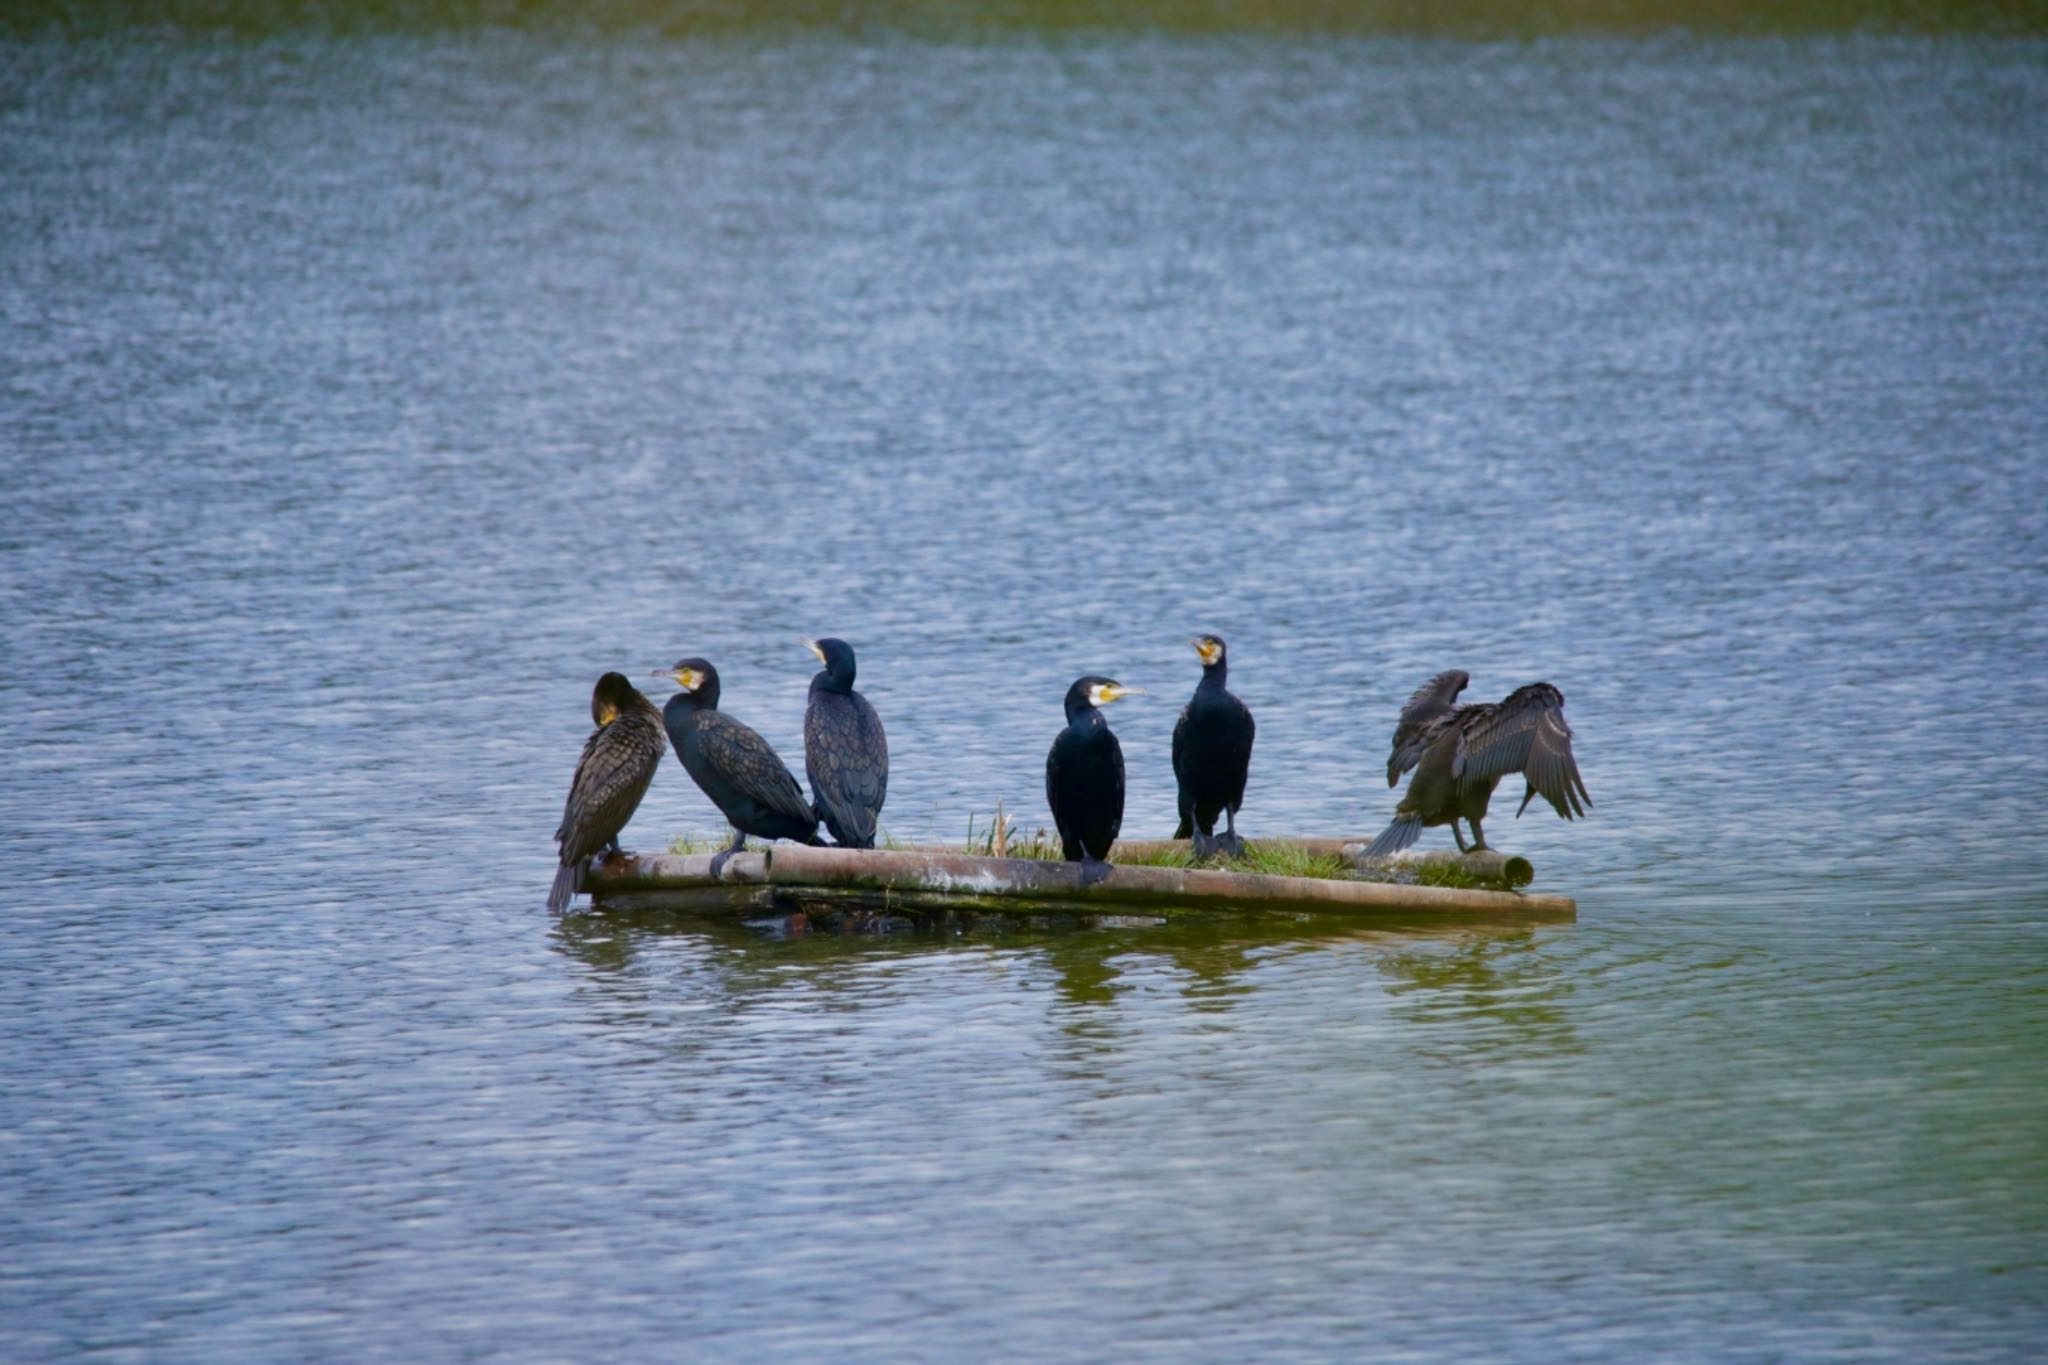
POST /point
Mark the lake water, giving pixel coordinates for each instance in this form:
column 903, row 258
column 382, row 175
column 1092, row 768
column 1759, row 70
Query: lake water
column 363, row 398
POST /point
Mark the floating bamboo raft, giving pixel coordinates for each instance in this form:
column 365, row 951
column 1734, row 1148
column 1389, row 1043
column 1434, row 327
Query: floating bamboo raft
column 787, row 878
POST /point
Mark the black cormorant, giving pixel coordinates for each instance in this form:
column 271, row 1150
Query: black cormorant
column 1460, row 753
column 1084, row 777
column 846, row 755
column 735, row 766
column 1212, row 753
column 619, row 760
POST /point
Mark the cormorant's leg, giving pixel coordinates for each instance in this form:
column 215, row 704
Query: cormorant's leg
column 1230, row 843
column 1203, row 845
column 739, row 843
column 1459, row 837
column 1478, row 837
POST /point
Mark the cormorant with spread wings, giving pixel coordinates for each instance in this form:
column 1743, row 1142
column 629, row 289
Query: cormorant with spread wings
column 1460, row 754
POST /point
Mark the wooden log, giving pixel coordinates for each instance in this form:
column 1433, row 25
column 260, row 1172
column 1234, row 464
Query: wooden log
column 1486, row 864
column 878, row 877
column 691, row 869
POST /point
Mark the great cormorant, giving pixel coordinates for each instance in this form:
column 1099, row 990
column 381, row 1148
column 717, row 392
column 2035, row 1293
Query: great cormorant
column 846, row 755
column 1460, row 753
column 735, row 766
column 1212, row 754
column 619, row 760
column 1084, row 777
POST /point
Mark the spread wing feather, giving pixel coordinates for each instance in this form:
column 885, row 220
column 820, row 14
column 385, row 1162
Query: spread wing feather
column 1416, row 730
column 1525, row 734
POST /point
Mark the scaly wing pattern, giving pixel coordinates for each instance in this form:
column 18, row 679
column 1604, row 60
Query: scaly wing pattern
column 848, row 755
column 750, row 764
column 618, row 762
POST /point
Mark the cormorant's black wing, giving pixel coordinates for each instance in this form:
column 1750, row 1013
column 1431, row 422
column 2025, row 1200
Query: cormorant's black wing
column 1084, row 787
column 746, row 760
column 1116, row 824
column 1526, row 734
column 1054, row 791
column 618, row 762
column 1414, row 732
column 847, row 756
column 1186, row 828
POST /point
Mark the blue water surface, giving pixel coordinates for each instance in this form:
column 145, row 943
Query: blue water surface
column 364, row 397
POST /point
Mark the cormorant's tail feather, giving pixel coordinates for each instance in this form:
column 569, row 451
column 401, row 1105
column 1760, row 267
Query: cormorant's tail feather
column 1396, row 837
column 568, row 881
column 1185, row 829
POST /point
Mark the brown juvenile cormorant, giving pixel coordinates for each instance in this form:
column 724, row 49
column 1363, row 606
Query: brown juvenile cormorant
column 1084, row 777
column 846, row 755
column 1212, row 754
column 735, row 766
column 619, row 760
column 1460, row 753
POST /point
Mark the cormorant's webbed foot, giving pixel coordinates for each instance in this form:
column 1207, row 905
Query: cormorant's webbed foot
column 1228, row 844
column 719, row 860
column 1093, row 870
column 1200, row 844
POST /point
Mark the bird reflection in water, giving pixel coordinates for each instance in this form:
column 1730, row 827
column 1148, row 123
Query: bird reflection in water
column 1489, row 990
column 1489, row 981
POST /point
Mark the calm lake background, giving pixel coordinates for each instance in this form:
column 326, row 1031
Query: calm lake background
column 363, row 396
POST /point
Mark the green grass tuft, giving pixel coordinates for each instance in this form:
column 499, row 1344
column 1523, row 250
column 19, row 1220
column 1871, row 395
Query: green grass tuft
column 1287, row 860
column 1451, row 875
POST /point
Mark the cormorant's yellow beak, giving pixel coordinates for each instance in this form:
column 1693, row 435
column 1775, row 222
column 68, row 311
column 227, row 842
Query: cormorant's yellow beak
column 1209, row 650
column 606, row 714
column 685, row 678
column 812, row 645
column 1108, row 692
